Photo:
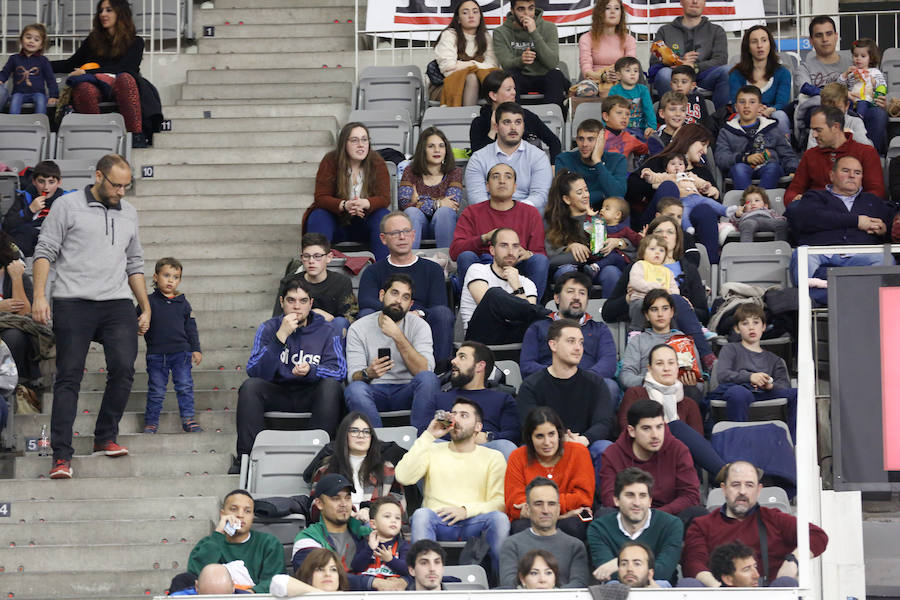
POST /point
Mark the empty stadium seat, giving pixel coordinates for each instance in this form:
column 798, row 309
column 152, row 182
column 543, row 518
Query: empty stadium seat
column 166, row 22
column 20, row 13
column 277, row 461
column 90, row 137
column 404, row 436
column 551, row 115
column 757, row 263
column 471, row 577
column 76, row 173
column 387, row 129
column 9, row 183
column 24, row 138
column 511, row 372
column 391, row 89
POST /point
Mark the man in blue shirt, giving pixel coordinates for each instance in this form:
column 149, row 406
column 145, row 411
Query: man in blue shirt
column 532, row 167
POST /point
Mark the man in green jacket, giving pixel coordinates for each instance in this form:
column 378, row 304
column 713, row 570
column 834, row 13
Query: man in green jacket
column 527, row 47
column 232, row 542
column 635, row 521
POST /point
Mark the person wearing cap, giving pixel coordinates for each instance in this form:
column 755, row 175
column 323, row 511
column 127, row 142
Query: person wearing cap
column 337, row 530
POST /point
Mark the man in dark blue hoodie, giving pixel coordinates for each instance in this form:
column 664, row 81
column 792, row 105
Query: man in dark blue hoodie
column 297, row 364
column 841, row 214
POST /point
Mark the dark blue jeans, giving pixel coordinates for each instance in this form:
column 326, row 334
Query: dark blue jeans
column 358, row 230
column 77, row 323
column 158, row 368
column 740, row 396
column 769, row 173
column 39, row 100
column 701, row 450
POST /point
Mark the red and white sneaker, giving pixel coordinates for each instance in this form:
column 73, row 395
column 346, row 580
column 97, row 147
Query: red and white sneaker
column 62, row 469
column 110, row 448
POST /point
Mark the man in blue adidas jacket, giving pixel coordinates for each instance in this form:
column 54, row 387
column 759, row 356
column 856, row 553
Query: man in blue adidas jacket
column 297, row 364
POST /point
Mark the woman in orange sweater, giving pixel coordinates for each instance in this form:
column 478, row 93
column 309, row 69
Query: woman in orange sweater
column 353, row 192
column 546, row 454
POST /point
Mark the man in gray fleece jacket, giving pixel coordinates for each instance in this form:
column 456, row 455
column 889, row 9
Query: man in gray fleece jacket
column 91, row 236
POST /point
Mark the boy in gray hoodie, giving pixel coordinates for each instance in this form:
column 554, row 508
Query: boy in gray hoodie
column 527, row 47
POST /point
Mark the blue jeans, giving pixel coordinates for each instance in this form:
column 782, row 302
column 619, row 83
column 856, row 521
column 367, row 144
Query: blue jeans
column 597, row 449
column 740, row 396
column 427, row 525
column 358, row 230
column 692, row 201
column 769, row 173
column 875, row 119
column 369, row 398
column 535, row 268
column 714, row 79
column 704, row 219
column 816, row 261
column 441, row 225
column 606, row 272
column 39, row 100
column 687, row 321
column 701, row 450
column 158, row 367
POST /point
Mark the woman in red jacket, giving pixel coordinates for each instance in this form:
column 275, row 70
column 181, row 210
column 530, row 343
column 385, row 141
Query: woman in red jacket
column 546, row 454
column 353, row 193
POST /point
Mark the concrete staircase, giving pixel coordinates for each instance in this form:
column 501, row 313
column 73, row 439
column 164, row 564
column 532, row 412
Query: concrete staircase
column 229, row 186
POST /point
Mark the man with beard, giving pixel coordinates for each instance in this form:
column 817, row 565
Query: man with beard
column 91, row 237
column 742, row 518
column 542, row 496
column 571, row 296
column 636, row 562
column 497, row 303
column 389, row 355
column 338, row 531
column 635, row 521
column 463, row 482
column 579, row 397
column 469, row 371
column 296, row 365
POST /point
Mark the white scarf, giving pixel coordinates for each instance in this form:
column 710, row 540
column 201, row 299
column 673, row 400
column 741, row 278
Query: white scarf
column 667, row 395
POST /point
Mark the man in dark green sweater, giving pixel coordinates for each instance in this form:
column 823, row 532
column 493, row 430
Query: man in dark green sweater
column 232, row 542
column 635, row 521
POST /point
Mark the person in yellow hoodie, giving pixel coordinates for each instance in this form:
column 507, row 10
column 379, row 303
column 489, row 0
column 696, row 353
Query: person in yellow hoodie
column 463, row 481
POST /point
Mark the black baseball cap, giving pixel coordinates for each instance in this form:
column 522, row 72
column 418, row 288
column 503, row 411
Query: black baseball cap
column 331, row 484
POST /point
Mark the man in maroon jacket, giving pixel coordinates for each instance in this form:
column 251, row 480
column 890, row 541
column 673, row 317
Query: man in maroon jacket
column 648, row 444
column 739, row 519
column 827, row 126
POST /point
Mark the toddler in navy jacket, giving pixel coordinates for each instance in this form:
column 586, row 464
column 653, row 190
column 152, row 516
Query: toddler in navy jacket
column 32, row 74
column 383, row 553
column 173, row 344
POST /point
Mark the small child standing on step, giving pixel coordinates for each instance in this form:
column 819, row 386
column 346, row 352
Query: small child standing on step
column 173, row 344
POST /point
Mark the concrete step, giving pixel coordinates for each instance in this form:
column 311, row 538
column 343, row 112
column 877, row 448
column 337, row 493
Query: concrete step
column 281, row 249
column 94, row 584
column 341, row 29
column 204, row 194
column 206, row 176
column 274, row 16
column 205, row 377
column 339, row 110
column 207, row 102
column 200, row 234
column 199, row 508
column 229, row 358
column 237, row 158
column 132, row 422
column 113, row 557
column 269, row 76
column 249, row 124
column 204, row 400
column 180, row 444
column 156, row 531
column 144, row 466
column 257, row 139
column 247, row 214
column 247, row 45
column 235, row 266
column 214, row 485
column 230, row 284
column 275, row 3
column 272, row 91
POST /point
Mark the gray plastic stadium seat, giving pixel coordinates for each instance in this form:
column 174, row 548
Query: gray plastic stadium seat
column 471, row 577
column 454, row 122
column 791, row 62
column 9, row 183
column 757, row 263
column 165, row 22
column 511, row 370
column 583, row 112
column 705, row 269
column 90, row 137
column 20, row 13
column 387, row 128
column 551, row 115
column 391, row 88
column 77, row 172
column 404, row 436
column 771, row 497
column 890, row 66
column 776, row 203
column 24, row 138
column 74, row 17
column 278, row 460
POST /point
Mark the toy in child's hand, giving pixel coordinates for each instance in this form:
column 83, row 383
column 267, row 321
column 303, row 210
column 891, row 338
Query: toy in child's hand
column 665, row 54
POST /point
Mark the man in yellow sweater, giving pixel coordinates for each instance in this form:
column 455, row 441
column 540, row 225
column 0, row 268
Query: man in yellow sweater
column 463, row 482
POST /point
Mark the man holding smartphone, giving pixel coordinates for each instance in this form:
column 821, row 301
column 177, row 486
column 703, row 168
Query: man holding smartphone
column 390, row 357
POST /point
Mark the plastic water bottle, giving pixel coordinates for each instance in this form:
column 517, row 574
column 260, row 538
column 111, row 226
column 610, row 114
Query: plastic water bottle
column 44, row 442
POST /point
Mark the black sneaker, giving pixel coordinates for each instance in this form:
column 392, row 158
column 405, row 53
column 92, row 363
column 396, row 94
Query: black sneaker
column 235, row 468
column 139, row 140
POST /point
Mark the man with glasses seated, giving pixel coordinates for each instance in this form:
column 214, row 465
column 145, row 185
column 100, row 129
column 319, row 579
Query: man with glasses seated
column 331, row 291
column 296, row 365
column 430, row 294
column 91, row 237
